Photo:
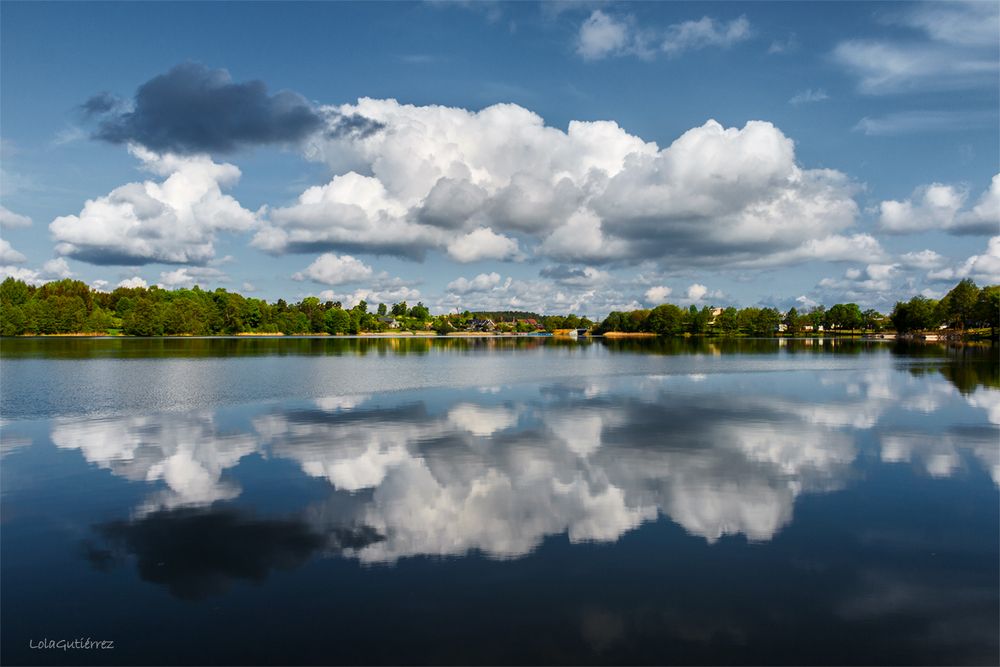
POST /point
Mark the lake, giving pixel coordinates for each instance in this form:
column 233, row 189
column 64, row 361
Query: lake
column 499, row 501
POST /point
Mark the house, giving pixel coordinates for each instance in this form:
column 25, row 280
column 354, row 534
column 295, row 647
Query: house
column 390, row 322
column 481, row 325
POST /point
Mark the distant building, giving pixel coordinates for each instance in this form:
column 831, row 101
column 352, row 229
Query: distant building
column 390, row 322
column 481, row 325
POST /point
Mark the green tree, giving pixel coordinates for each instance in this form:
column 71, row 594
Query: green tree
column 729, row 321
column 99, row 321
column 792, row 320
column 987, row 312
column 666, row 320
column 143, row 320
column 959, row 305
column 419, row 312
column 337, row 321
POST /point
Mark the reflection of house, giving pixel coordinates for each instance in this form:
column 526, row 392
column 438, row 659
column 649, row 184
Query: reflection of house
column 390, row 322
column 481, row 325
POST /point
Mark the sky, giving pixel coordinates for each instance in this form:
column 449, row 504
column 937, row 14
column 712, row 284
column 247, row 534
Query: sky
column 556, row 157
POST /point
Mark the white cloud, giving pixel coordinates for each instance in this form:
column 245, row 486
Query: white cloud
column 53, row 269
column 911, row 122
column 875, row 285
column 924, row 259
column 350, row 212
column 954, row 46
column 984, row 268
column 481, row 283
column 330, row 269
column 658, row 294
column 9, row 219
column 696, row 291
column 499, row 184
column 482, row 243
column 940, row 207
column 172, row 221
column 392, row 292
column 808, row 95
column 705, row 32
column 833, row 248
column 778, row 46
column 10, row 256
column 133, row 282
column 57, row 267
column 602, row 35
column 189, row 276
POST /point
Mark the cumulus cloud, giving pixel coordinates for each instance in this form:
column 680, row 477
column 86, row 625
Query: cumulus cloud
column 173, row 221
column 658, row 294
column 984, row 268
column 133, row 282
column 482, row 243
column 352, row 212
column 942, row 207
column 189, row 276
column 389, row 292
column 875, row 278
column 330, row 269
column 923, row 259
column 53, row 269
column 490, row 291
column 10, row 220
column 696, row 291
column 953, row 46
column 602, row 35
column 10, row 256
column 195, row 109
column 499, row 184
column 833, row 248
column 481, row 283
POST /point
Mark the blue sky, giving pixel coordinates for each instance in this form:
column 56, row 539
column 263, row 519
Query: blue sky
column 558, row 157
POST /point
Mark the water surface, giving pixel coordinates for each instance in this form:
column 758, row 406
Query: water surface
column 324, row 501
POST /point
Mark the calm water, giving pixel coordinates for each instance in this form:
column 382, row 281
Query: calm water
column 500, row 501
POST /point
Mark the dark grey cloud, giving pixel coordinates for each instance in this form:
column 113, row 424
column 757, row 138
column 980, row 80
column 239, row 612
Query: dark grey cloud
column 195, row 109
column 101, row 103
column 196, row 553
column 354, row 126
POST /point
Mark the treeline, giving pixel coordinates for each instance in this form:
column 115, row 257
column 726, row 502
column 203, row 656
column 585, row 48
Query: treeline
column 966, row 306
column 70, row 306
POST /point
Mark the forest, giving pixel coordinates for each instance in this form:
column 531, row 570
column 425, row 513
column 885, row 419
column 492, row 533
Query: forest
column 71, row 306
column 965, row 307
